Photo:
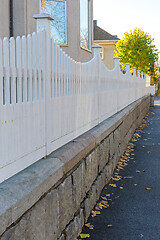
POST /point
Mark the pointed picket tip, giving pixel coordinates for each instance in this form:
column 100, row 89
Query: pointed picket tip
column 134, row 71
column 142, row 75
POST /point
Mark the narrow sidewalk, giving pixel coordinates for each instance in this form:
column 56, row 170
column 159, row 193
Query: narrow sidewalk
column 131, row 201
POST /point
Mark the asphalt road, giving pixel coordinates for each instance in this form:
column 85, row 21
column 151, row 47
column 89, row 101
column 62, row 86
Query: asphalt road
column 134, row 211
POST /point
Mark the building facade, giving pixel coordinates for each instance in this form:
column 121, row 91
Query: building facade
column 108, row 43
column 72, row 26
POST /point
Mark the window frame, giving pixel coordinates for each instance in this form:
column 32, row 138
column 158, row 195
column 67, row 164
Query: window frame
column 66, row 22
column 89, row 49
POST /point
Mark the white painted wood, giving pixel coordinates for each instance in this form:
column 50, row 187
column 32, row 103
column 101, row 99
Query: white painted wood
column 13, row 70
column 24, row 69
column 47, row 99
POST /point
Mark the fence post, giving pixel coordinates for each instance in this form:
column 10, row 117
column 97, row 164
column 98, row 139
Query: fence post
column 96, row 53
column 127, row 67
column 43, row 24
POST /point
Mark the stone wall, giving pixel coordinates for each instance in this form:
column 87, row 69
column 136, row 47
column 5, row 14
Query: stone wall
column 52, row 199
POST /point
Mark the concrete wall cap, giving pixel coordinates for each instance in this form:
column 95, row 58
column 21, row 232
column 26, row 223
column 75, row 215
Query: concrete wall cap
column 43, row 15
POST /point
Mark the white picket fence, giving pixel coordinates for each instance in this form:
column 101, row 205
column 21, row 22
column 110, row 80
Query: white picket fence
column 47, row 99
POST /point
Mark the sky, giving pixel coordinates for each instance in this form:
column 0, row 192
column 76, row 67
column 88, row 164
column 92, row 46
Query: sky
column 119, row 16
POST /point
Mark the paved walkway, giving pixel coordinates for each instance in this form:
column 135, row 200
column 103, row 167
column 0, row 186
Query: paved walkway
column 134, row 205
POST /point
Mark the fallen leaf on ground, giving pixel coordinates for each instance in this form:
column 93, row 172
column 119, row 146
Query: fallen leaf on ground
column 115, row 179
column 104, row 206
column 108, row 195
column 98, row 208
column 128, row 177
column 93, row 214
column 113, row 185
column 109, row 226
column 82, row 235
column 105, row 203
column 104, row 198
column 148, row 189
column 137, row 171
column 97, row 212
column 116, row 197
column 121, row 187
column 89, row 226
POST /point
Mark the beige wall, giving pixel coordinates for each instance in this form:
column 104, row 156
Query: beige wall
column 23, row 22
column 4, row 18
column 109, row 55
column 108, row 49
column 73, row 27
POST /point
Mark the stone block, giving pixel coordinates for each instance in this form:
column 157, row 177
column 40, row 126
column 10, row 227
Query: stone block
column 39, row 223
column 91, row 169
column 108, row 172
column 15, row 233
column 66, row 210
column 103, row 154
column 78, row 185
column 31, row 226
column 36, row 220
column 52, row 213
column 90, row 202
column 62, row 237
column 74, row 228
column 100, row 183
column 111, row 146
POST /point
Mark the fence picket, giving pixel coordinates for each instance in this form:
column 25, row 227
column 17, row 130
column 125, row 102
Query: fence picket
column 29, row 67
column 7, row 71
column 13, row 70
column 19, row 70
column 24, row 69
column 34, row 65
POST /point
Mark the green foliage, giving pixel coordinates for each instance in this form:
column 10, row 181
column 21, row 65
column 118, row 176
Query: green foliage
column 138, row 49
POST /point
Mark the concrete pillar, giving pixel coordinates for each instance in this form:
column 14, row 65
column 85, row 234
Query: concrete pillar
column 43, row 22
column 96, row 50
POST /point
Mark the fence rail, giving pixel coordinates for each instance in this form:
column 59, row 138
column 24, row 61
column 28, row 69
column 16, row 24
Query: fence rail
column 47, row 99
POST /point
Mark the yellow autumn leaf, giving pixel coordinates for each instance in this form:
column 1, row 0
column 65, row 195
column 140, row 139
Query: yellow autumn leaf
column 82, row 235
column 89, row 226
column 148, row 189
column 97, row 212
column 113, row 185
column 109, row 226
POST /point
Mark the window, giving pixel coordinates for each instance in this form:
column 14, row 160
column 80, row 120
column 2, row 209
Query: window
column 85, row 29
column 56, row 9
column 102, row 53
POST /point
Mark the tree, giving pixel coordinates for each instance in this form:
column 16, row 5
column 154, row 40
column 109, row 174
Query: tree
column 138, row 49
